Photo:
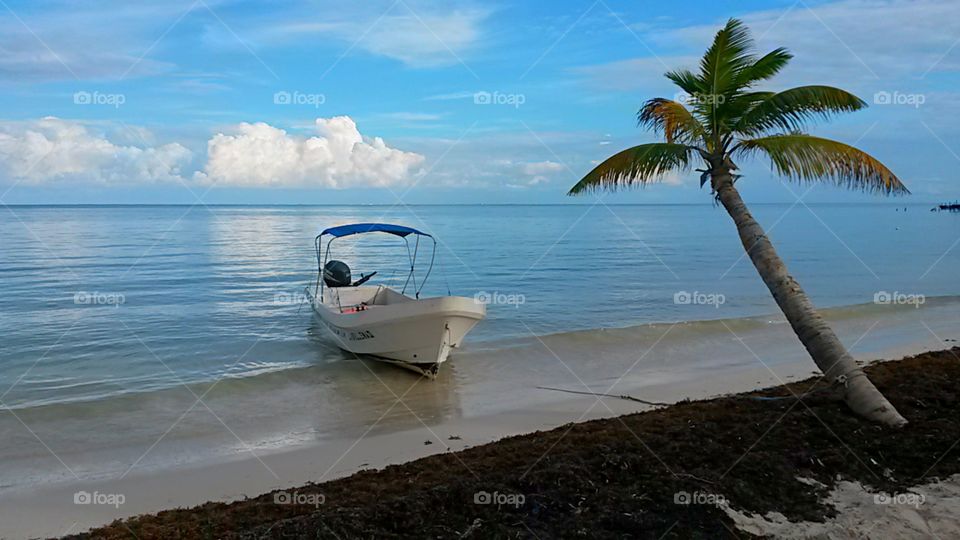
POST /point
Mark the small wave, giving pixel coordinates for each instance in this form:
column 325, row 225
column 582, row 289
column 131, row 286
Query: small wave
column 704, row 328
column 598, row 341
column 123, row 387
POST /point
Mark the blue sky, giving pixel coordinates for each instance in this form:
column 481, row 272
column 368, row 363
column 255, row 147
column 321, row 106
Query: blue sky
column 323, row 102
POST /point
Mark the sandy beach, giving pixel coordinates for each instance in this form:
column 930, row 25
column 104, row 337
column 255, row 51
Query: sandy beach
column 50, row 509
column 763, row 464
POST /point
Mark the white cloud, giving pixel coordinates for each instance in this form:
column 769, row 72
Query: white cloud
column 83, row 41
column 533, row 173
column 340, row 157
column 862, row 45
column 542, row 167
column 634, row 73
column 413, row 116
column 417, row 38
column 451, row 96
column 430, row 40
column 856, row 44
column 676, row 178
column 52, row 150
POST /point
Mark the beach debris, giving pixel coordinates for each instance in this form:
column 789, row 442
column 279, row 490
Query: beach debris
column 426, row 442
column 454, row 438
column 601, row 394
column 472, row 528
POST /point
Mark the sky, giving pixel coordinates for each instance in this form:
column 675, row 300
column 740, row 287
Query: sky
column 425, row 102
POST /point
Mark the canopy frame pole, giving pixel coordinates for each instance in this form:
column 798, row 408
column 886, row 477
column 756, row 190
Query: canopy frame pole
column 320, row 286
column 410, row 259
column 433, row 258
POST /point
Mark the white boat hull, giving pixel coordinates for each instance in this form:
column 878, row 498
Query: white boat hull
column 411, row 333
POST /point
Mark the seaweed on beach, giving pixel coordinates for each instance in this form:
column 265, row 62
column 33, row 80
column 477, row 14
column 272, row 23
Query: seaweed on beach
column 647, row 475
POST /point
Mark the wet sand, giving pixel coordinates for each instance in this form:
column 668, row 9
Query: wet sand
column 763, row 463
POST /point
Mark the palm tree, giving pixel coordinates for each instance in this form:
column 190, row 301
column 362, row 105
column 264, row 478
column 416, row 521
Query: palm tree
column 728, row 119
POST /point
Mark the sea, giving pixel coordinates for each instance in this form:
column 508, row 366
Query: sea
column 153, row 336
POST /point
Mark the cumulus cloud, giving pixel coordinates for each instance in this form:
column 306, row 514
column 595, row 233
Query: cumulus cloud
column 259, row 154
column 52, row 150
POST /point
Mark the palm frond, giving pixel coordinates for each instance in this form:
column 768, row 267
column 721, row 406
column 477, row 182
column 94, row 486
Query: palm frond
column 764, row 67
column 686, row 80
column 720, row 69
column 672, row 120
column 728, row 55
column 792, row 109
column 636, row 166
column 806, row 158
column 732, row 110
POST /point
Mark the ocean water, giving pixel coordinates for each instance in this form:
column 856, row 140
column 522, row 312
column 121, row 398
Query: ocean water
column 117, row 322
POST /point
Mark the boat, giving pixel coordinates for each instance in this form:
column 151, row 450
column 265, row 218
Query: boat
column 949, row 207
column 384, row 324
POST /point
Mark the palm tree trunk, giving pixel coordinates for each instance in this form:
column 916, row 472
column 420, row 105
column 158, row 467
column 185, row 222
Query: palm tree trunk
column 823, row 345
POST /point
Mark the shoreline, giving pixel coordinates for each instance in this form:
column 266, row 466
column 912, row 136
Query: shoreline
column 28, row 512
column 311, row 408
column 765, row 462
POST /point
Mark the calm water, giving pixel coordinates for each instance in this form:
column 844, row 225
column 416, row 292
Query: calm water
column 115, row 310
column 99, row 301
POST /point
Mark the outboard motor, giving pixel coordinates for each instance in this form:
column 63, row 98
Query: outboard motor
column 336, row 274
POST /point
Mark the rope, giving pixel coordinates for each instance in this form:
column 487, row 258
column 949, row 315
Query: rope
column 599, row 394
column 661, row 404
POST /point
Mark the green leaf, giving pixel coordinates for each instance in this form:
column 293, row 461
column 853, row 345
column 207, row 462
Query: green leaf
column 725, row 109
column 726, row 58
column 636, row 166
column 765, row 67
column 792, row 109
column 806, row 158
column 686, row 80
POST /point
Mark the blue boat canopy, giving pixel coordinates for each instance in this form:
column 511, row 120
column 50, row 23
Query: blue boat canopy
column 360, row 228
